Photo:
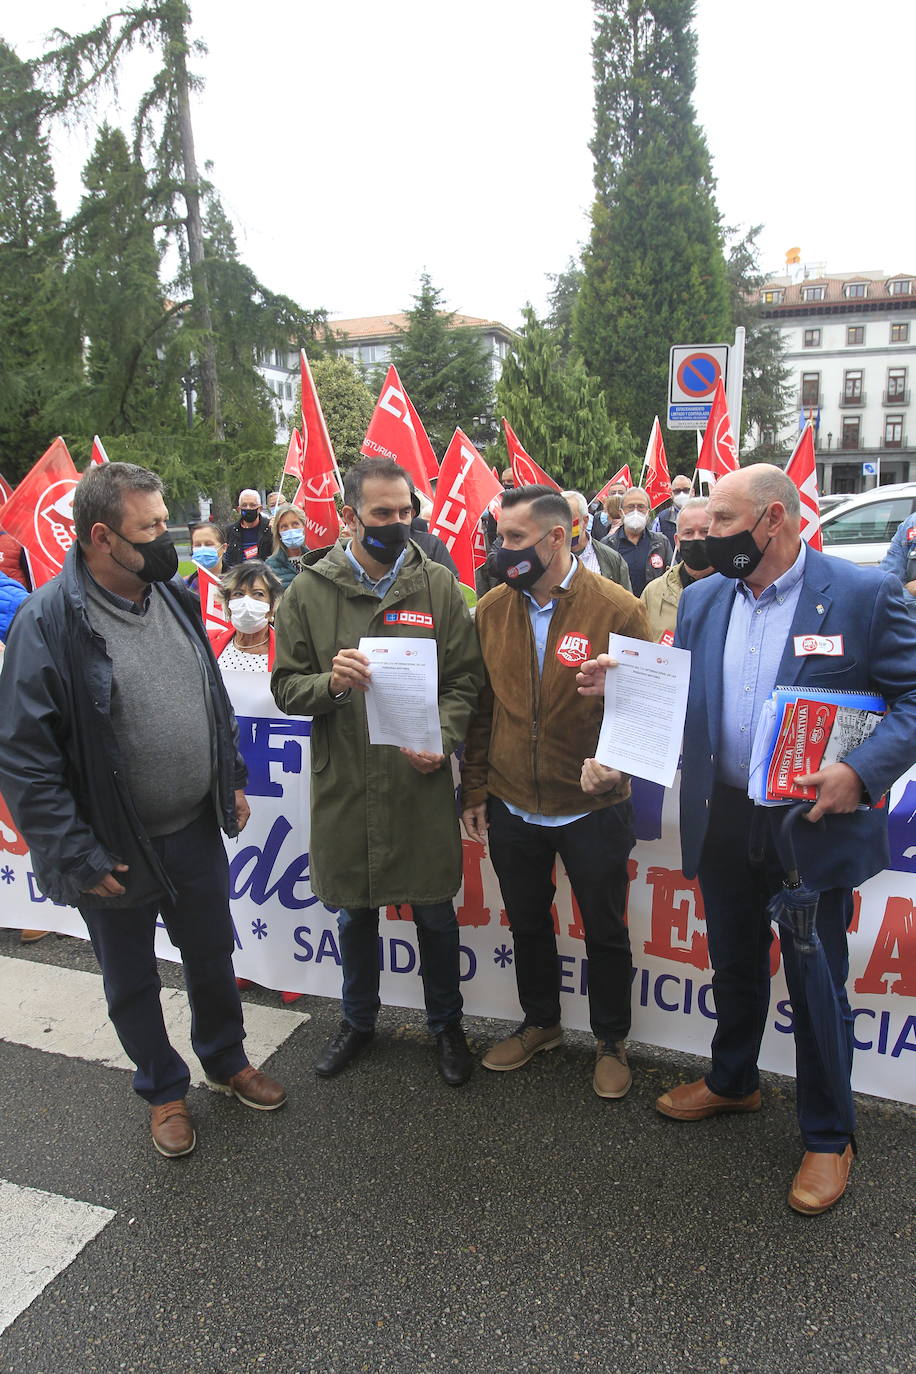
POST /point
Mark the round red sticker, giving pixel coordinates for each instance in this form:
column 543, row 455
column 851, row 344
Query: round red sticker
column 656, row 561
column 573, row 650
column 809, row 644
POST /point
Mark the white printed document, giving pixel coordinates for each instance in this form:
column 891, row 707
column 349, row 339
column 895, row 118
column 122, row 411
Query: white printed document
column 402, row 703
column 645, row 702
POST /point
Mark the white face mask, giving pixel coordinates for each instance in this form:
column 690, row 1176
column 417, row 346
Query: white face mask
column 680, row 499
column 635, row 520
column 248, row 614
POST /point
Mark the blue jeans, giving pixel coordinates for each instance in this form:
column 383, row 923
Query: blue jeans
column 199, row 924
column 735, row 895
column 437, row 938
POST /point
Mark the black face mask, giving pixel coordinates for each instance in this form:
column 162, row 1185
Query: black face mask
column 249, row 516
column 384, row 543
column 518, row 568
column 735, row 555
column 694, row 554
column 160, row 558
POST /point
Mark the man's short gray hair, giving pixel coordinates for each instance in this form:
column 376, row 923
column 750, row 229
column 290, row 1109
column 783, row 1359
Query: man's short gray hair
column 97, row 499
column 579, row 500
column 695, row 502
column 767, row 484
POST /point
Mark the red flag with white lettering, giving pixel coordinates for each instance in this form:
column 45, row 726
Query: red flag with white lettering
column 622, row 476
column 719, row 452
column 465, row 488
column 98, row 456
column 656, row 481
column 395, row 431
column 293, row 465
column 40, row 511
column 802, row 469
column 525, row 470
column 215, row 616
column 318, row 477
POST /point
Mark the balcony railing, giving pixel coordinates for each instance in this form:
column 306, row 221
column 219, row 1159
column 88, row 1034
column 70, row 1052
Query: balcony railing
column 893, row 397
column 809, row 400
column 895, row 443
column 852, row 398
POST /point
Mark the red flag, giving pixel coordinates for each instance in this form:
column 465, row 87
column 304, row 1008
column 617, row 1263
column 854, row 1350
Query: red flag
column 98, row 454
column 465, row 487
column 655, row 479
column 40, row 572
column 427, row 452
column 622, row 476
column 395, row 431
column 6, row 490
column 525, row 470
column 293, row 465
column 803, row 472
column 318, row 482
column 719, row 452
column 215, row 616
column 40, row 511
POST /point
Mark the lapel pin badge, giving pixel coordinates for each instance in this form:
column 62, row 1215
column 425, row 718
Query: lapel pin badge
column 820, row 609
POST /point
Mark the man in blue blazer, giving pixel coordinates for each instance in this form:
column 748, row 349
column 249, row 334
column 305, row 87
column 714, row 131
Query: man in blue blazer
column 781, row 614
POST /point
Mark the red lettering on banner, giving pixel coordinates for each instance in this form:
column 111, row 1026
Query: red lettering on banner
column 856, row 911
column 404, row 912
column 472, row 911
column 11, row 842
column 894, row 955
column 674, row 900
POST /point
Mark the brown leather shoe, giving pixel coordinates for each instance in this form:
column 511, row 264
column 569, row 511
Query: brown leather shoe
column 29, row 937
column 820, row 1182
column 523, row 1044
column 172, row 1128
column 612, row 1076
column 694, row 1101
column 254, row 1088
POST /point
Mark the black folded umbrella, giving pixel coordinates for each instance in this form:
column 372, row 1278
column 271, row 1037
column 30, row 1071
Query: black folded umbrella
column 794, row 910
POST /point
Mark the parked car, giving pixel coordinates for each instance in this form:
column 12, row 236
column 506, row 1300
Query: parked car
column 861, row 528
column 827, row 503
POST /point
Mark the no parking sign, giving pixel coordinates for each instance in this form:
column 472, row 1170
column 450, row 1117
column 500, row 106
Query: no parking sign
column 694, row 370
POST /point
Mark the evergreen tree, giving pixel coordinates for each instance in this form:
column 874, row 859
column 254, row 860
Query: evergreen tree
column 654, row 271
column 446, row 370
column 562, row 299
column 767, row 390
column 559, row 412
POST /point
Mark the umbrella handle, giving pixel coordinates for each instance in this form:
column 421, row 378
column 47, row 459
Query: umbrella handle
column 785, row 841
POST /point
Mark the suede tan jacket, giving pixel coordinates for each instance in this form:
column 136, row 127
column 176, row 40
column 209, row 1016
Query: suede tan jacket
column 530, row 734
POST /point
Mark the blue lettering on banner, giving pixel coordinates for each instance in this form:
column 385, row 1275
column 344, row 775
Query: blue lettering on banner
column 563, row 960
column 905, row 1039
column 327, row 948
column 683, row 989
column 784, row 1008
column 35, row 895
column 396, row 955
column 262, row 862
column 265, row 742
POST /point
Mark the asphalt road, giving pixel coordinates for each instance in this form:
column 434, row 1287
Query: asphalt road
column 385, row 1222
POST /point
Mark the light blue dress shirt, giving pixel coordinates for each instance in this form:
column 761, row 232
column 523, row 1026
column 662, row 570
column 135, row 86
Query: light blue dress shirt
column 754, row 646
column 385, row 583
column 540, row 617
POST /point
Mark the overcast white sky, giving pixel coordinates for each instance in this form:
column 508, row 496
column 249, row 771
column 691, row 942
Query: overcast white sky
column 357, row 144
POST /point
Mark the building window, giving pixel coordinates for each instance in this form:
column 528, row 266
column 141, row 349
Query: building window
column 851, row 425
column 813, row 293
column 772, row 297
column 900, row 333
column 855, row 334
column 901, row 287
column 896, row 386
column 855, row 290
column 812, row 338
column 893, row 431
column 852, row 387
column 811, row 389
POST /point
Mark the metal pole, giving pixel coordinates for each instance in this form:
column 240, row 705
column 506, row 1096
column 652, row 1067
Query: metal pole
column 735, row 389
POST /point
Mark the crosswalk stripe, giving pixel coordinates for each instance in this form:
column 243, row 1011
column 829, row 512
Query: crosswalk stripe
column 63, row 1011
column 42, row 1234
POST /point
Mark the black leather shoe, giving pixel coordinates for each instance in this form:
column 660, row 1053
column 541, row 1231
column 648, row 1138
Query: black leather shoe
column 455, row 1059
column 343, row 1046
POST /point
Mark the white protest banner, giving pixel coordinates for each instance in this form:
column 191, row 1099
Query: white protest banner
column 287, row 938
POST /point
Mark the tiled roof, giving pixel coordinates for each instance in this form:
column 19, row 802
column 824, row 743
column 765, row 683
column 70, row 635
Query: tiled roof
column 835, row 284
column 387, row 326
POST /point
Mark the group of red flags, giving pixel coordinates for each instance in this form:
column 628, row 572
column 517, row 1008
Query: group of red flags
column 39, row 511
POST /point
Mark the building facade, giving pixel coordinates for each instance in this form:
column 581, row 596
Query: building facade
column 368, row 341
column 851, row 348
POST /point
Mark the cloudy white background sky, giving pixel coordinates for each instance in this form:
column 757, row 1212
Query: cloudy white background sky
column 357, row 144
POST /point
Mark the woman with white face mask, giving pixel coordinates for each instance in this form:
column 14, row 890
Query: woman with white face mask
column 249, row 593
column 288, row 529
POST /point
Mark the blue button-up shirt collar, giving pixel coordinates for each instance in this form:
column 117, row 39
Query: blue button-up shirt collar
column 382, row 587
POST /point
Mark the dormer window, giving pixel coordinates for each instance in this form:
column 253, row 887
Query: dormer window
column 813, row 293
column 900, row 286
column 772, row 297
column 855, row 290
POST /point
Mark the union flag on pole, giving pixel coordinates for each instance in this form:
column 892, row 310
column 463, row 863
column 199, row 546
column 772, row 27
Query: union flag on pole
column 318, row 477
column 396, row 431
column 40, row 511
column 525, row 471
column 465, row 488
column 656, row 481
column 622, row 476
column 293, row 465
column 98, row 456
column 212, row 610
column 801, row 468
column 719, row 452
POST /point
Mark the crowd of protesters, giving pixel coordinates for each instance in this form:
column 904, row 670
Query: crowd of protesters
column 121, row 784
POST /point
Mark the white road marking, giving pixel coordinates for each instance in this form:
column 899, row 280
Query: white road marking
column 42, row 1234
column 63, row 1011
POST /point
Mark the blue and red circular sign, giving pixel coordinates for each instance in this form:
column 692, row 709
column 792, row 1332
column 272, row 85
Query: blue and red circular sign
column 697, row 375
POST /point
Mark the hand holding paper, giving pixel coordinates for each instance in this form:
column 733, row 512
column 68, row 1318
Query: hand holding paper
column 645, row 702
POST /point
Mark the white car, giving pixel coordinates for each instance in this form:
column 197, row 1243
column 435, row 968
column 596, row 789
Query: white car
column 862, row 527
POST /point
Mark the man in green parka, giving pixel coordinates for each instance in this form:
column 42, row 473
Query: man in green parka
column 384, row 827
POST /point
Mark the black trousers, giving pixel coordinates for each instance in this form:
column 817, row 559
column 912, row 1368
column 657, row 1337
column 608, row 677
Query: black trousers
column 594, row 851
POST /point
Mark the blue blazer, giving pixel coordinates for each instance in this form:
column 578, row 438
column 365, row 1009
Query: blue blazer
column 866, row 607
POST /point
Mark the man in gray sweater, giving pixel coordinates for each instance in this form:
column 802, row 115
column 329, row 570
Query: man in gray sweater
column 119, row 762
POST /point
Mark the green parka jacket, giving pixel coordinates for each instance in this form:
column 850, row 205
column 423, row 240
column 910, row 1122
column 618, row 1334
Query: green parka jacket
column 381, row 832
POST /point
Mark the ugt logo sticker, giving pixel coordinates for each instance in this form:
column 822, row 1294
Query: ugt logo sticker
column 573, row 650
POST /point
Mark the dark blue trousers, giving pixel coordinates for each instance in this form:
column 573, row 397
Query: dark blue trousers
column 199, row 925
column 735, row 895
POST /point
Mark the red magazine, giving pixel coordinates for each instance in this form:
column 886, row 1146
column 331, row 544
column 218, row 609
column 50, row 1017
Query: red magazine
column 811, row 730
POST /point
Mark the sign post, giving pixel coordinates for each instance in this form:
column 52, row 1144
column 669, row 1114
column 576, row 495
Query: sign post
column 693, row 373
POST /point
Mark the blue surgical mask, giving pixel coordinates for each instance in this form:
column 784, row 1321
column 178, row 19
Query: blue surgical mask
column 294, row 538
column 206, row 556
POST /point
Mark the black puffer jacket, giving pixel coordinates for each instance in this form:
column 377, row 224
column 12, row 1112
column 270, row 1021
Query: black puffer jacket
column 61, row 772
column 235, row 552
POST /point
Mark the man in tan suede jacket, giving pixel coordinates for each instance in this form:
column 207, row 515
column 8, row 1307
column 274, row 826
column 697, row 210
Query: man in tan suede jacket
column 529, row 747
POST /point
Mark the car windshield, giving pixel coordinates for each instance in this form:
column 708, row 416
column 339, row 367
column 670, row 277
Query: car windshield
column 874, row 523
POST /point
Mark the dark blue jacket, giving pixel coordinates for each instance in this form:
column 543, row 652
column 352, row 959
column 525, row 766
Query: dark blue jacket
column 60, row 765
column 866, row 607
column 12, row 595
